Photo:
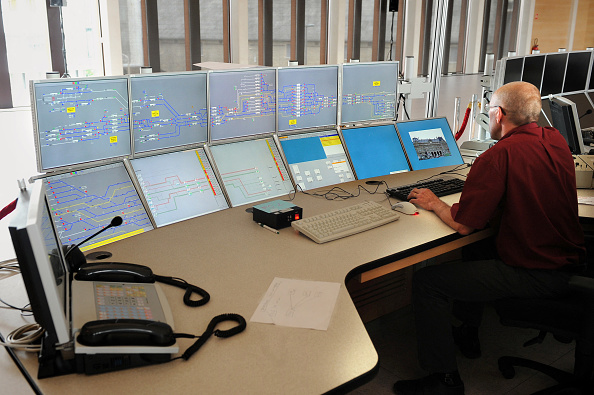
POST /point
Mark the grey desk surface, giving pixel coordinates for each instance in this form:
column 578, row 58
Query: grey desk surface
column 227, row 254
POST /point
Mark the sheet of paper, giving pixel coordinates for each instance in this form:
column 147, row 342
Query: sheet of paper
column 298, row 303
column 586, row 200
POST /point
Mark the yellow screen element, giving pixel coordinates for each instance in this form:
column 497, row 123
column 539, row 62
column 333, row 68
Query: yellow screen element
column 113, row 139
column 70, row 110
column 111, row 240
column 332, row 140
column 155, row 113
column 377, row 83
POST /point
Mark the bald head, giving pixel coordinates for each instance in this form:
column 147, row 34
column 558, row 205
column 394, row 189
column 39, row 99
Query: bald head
column 520, row 100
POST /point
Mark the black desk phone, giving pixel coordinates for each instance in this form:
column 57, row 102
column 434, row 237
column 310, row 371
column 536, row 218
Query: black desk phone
column 115, row 272
column 129, row 332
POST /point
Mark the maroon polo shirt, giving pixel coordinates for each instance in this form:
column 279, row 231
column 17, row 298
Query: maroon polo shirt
column 529, row 177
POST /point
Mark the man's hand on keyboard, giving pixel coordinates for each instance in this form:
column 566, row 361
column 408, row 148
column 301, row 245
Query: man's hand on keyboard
column 424, row 198
column 427, row 200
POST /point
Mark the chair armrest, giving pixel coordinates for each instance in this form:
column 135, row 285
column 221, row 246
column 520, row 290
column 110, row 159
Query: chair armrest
column 582, row 283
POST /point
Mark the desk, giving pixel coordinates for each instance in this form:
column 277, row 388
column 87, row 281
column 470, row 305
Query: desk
column 235, row 260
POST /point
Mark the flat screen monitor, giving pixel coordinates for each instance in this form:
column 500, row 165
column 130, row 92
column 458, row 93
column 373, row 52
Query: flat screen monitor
column 554, row 74
column 369, row 91
column 513, row 70
column 307, row 97
column 42, row 263
column 168, row 110
column 179, row 185
column 80, row 120
column 316, row 159
column 251, row 170
column 429, row 143
column 565, row 119
column 533, row 69
column 583, row 104
column 375, row 151
column 578, row 66
column 85, row 201
column 591, row 84
column 242, row 103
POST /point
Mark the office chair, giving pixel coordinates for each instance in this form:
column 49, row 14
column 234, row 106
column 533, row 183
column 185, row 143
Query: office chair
column 567, row 319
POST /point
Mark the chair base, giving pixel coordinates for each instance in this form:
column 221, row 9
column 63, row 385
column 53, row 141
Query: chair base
column 568, row 383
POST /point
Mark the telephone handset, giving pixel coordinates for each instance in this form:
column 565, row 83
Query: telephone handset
column 126, row 332
column 133, row 273
column 115, row 272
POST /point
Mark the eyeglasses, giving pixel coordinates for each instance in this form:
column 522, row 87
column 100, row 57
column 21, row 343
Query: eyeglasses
column 501, row 108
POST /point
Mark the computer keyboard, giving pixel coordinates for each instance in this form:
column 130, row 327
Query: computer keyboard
column 345, row 221
column 439, row 186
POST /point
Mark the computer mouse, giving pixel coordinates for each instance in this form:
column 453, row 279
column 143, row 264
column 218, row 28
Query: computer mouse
column 405, row 208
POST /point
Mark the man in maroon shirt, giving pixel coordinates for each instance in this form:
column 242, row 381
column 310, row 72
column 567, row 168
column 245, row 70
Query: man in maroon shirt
column 525, row 187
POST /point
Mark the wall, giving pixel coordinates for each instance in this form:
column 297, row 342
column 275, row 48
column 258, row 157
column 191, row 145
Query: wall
column 551, row 25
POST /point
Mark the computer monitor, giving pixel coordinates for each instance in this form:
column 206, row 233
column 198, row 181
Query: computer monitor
column 80, row 120
column 85, row 201
column 42, row 264
column 307, row 97
column 375, row 151
column 179, row 185
column 565, row 119
column 578, row 66
column 242, row 103
column 554, row 73
column 429, row 143
column 513, row 70
column 533, row 69
column 316, row 159
column 583, row 104
column 369, row 91
column 251, row 170
column 168, row 110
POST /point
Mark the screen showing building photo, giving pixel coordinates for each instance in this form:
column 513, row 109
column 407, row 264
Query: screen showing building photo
column 429, row 143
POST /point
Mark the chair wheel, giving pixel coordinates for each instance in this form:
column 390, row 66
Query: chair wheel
column 506, row 370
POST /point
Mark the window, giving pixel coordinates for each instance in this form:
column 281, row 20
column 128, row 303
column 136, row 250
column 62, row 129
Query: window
column 27, row 45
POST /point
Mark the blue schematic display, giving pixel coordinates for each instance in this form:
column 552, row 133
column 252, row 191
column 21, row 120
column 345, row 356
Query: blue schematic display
column 84, row 202
column 429, row 143
column 316, row 159
column 168, row 110
column 307, row 97
column 375, row 151
column 179, row 185
column 369, row 91
column 80, row 121
column 251, row 170
column 242, row 103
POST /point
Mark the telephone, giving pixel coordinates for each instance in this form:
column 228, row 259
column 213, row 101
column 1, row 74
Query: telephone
column 127, row 332
column 115, row 272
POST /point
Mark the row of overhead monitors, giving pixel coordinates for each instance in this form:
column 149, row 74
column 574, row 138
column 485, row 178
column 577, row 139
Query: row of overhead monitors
column 130, row 116
column 560, row 74
column 161, row 148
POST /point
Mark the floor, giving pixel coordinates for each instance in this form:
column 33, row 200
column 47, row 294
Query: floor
column 394, row 338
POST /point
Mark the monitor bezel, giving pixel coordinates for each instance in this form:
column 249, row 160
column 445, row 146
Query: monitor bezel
column 137, row 154
column 35, row 121
column 453, row 142
column 573, row 118
column 209, row 101
column 36, row 268
column 304, row 68
column 341, row 92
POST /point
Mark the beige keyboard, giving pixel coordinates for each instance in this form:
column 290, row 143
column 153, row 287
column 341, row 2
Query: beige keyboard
column 345, row 221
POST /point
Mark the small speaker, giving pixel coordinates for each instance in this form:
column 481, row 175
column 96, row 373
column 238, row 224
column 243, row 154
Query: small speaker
column 393, row 6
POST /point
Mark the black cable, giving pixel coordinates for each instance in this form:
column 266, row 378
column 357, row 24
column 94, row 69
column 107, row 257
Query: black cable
column 22, row 369
column 451, row 171
column 391, row 37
